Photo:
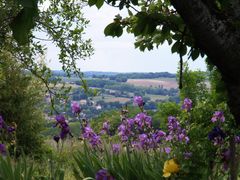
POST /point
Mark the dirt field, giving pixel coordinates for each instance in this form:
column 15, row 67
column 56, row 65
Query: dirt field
column 118, row 99
column 165, row 83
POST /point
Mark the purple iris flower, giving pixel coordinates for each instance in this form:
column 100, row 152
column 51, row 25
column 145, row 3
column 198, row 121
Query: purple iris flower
column 88, row 132
column 176, row 131
column 1, row 122
column 136, row 145
column 75, row 107
column 10, row 129
column 146, row 142
column 116, row 148
column 3, row 149
column 130, row 122
column 62, row 123
column 56, row 138
column 216, row 135
column 103, row 174
column 158, row 136
column 105, row 128
column 187, row 155
column 95, row 140
column 138, row 100
column 187, row 104
column 125, row 131
column 143, row 138
column 91, row 136
column 237, row 139
column 167, row 150
column 218, row 115
column 60, row 119
column 65, row 130
column 142, row 120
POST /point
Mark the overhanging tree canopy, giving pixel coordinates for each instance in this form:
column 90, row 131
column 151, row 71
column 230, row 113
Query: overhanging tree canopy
column 25, row 26
column 191, row 27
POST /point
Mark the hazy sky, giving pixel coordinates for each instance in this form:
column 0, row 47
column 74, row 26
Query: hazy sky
column 119, row 54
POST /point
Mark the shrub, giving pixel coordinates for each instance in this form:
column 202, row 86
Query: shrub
column 21, row 101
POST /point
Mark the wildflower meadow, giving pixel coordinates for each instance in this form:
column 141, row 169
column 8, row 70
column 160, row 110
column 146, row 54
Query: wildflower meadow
column 177, row 149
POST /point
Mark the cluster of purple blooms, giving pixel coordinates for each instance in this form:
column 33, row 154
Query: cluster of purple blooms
column 175, row 131
column 105, row 128
column 138, row 100
column 218, row 116
column 140, row 132
column 150, row 140
column 125, row 130
column 187, row 104
column 9, row 130
column 3, row 149
column 2, row 123
column 91, row 136
column 129, row 127
column 218, row 136
column 116, row 148
column 76, row 109
column 142, row 120
column 63, row 125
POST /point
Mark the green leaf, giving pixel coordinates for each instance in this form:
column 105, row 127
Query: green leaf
column 99, row 3
column 113, row 29
column 183, row 50
column 92, row 2
column 134, row 2
column 158, row 39
column 23, row 23
column 144, row 24
column 130, row 12
column 28, row 3
column 194, row 54
column 175, row 47
column 140, row 24
column 121, row 4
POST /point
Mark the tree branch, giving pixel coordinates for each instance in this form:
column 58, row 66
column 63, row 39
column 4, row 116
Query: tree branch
column 213, row 36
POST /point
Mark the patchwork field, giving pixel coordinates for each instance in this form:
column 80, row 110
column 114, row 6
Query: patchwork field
column 167, row 83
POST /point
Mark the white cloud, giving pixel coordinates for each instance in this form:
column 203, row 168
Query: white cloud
column 119, row 54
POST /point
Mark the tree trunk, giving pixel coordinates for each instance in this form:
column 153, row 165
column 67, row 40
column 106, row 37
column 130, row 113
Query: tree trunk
column 234, row 160
column 219, row 41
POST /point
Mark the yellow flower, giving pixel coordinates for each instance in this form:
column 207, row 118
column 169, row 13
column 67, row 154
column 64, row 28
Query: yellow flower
column 170, row 166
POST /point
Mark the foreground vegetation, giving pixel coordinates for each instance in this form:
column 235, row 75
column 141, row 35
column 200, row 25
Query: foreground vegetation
column 135, row 149
column 198, row 141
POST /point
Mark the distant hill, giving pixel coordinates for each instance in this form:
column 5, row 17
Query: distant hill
column 86, row 74
column 118, row 75
column 99, row 73
column 149, row 75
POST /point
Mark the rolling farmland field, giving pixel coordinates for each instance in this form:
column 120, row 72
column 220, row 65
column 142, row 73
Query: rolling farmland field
column 166, row 83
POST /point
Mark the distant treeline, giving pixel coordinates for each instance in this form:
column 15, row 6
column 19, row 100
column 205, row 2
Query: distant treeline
column 122, row 77
column 87, row 74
